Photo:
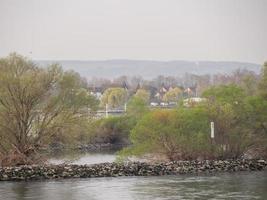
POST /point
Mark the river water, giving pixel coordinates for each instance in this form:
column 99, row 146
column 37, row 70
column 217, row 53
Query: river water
column 79, row 158
column 243, row 185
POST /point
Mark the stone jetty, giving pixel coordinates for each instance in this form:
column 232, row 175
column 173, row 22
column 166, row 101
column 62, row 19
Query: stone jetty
column 39, row 172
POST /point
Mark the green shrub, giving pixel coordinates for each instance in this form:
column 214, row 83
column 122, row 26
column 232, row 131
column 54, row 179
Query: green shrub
column 177, row 134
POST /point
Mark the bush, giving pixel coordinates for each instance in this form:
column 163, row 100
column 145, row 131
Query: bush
column 113, row 130
column 240, row 121
column 177, row 134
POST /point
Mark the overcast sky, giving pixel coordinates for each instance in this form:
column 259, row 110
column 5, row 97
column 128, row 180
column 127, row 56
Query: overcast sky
column 232, row 30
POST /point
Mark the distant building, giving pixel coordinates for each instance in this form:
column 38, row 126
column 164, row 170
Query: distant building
column 189, row 102
column 154, row 104
column 161, row 92
column 97, row 95
column 190, row 92
column 97, row 92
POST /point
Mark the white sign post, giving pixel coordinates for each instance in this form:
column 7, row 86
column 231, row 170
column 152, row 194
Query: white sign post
column 212, row 130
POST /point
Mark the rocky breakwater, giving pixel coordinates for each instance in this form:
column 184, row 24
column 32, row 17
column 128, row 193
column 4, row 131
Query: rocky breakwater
column 36, row 172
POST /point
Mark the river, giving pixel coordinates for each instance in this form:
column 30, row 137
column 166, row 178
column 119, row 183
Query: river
column 240, row 185
column 79, row 158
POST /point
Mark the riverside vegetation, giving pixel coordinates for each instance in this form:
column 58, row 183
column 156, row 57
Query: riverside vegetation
column 39, row 106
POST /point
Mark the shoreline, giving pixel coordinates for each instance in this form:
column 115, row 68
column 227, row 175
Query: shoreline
column 46, row 172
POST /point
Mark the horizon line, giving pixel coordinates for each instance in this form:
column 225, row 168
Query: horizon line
column 143, row 60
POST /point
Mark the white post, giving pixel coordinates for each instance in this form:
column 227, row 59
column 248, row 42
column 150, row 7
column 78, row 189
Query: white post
column 125, row 107
column 106, row 110
column 212, row 130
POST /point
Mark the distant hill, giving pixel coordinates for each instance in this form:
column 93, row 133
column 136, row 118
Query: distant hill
column 150, row 69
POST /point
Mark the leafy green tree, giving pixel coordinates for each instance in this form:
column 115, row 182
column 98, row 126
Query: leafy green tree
column 255, row 110
column 114, row 97
column 255, row 122
column 231, row 94
column 227, row 109
column 37, row 104
column 180, row 134
column 249, row 83
column 143, row 94
column 263, row 82
column 137, row 107
column 172, row 95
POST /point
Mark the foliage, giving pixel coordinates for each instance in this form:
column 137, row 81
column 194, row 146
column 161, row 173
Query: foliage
column 249, row 84
column 231, row 94
column 172, row 95
column 136, row 107
column 179, row 134
column 255, row 110
column 38, row 103
column 237, row 119
column 263, row 82
column 114, row 97
column 41, row 105
column 116, row 129
column 184, row 133
column 143, row 94
column 113, row 130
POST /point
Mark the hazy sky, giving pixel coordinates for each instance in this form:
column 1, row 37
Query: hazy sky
column 233, row 30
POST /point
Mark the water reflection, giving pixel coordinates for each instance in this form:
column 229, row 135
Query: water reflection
column 80, row 158
column 222, row 186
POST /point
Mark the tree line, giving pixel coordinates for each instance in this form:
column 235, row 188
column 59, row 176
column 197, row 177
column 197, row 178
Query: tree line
column 238, row 110
column 45, row 106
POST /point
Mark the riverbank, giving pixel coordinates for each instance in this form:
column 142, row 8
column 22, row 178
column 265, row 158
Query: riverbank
column 91, row 147
column 36, row 172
